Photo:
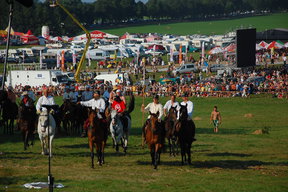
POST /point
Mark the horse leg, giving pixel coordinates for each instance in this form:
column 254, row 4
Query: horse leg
column 99, row 153
column 42, row 144
column 91, row 153
column 182, row 153
column 125, row 143
column 156, row 156
column 170, row 147
column 189, row 153
column 152, row 151
column 102, row 148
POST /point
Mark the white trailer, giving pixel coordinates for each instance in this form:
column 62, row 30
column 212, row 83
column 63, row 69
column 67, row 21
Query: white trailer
column 110, row 77
column 36, row 78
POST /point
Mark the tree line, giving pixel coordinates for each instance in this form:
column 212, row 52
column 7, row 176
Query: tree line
column 125, row 11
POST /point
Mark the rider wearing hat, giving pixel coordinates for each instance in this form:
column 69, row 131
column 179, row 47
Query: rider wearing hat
column 154, row 107
column 117, row 93
column 118, row 105
column 29, row 92
column 27, row 104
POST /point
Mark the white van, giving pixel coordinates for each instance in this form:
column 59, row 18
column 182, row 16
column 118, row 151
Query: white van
column 110, row 77
column 186, row 68
column 97, row 54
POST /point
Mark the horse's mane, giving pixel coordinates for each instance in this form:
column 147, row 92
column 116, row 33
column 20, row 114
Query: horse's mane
column 183, row 112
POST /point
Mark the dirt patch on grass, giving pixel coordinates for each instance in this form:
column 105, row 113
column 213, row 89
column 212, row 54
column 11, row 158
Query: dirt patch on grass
column 197, row 118
column 248, row 115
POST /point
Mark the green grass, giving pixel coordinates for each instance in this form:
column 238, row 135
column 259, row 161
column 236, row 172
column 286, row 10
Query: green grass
column 261, row 23
column 232, row 160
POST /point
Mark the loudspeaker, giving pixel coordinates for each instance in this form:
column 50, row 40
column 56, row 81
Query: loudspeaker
column 26, row 3
column 246, row 47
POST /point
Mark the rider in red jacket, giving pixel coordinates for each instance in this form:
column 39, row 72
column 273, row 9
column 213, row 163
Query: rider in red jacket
column 118, row 105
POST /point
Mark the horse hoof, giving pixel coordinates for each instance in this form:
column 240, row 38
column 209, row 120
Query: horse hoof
column 42, row 153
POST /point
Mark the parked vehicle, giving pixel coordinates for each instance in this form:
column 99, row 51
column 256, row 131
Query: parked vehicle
column 36, row 78
column 186, row 68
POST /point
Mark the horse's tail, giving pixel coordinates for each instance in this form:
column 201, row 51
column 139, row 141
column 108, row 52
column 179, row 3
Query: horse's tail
column 131, row 104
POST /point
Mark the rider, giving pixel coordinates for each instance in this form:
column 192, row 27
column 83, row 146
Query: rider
column 30, row 93
column 189, row 104
column 171, row 103
column 118, row 93
column 118, row 105
column 26, row 102
column 46, row 99
column 154, row 108
column 95, row 103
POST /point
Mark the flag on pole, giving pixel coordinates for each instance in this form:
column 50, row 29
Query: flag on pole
column 58, row 59
column 40, row 59
column 180, row 54
column 74, row 57
column 63, row 60
column 171, row 54
column 203, row 49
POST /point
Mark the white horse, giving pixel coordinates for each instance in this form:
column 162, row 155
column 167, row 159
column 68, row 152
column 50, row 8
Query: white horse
column 43, row 131
column 118, row 131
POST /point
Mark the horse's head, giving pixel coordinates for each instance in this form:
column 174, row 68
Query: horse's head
column 43, row 121
column 154, row 120
column 172, row 114
column 183, row 112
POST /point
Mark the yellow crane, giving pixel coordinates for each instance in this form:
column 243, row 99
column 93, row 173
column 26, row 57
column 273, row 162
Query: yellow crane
column 55, row 3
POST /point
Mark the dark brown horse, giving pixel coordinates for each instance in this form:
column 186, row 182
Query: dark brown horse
column 9, row 113
column 155, row 137
column 170, row 122
column 97, row 136
column 27, row 124
column 185, row 130
column 68, row 117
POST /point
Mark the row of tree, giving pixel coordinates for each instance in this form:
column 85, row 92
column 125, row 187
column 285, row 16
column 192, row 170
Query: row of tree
column 125, row 11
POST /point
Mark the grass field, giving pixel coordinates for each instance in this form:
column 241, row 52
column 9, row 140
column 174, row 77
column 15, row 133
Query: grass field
column 220, row 27
column 232, row 160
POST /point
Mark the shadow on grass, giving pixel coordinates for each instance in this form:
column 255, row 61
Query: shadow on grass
column 221, row 131
column 228, row 154
column 223, row 164
column 17, row 155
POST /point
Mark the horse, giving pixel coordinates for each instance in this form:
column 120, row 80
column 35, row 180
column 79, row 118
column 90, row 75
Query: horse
column 155, row 137
column 45, row 122
column 9, row 113
column 185, row 130
column 170, row 121
column 26, row 123
column 68, row 117
column 120, row 126
column 97, row 136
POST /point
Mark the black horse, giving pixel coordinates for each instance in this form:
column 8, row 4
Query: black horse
column 185, row 130
column 9, row 113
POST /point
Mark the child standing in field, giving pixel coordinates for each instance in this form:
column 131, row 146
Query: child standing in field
column 215, row 118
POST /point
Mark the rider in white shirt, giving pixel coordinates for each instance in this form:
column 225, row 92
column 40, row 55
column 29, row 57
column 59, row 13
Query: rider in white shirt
column 46, row 99
column 96, row 103
column 189, row 104
column 171, row 103
column 154, row 107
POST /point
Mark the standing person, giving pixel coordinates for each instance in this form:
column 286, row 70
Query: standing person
column 46, row 99
column 284, row 59
column 189, row 104
column 87, row 94
column 215, row 118
column 171, row 103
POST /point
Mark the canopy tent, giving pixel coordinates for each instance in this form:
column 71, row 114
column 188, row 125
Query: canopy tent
column 57, row 38
column 263, row 44
column 152, row 38
column 97, row 35
column 216, row 50
column 275, row 45
column 230, row 48
column 259, row 47
column 29, row 39
column 286, row 45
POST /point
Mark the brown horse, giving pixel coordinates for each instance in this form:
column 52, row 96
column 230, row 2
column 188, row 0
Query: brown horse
column 97, row 136
column 170, row 122
column 185, row 130
column 27, row 124
column 155, row 137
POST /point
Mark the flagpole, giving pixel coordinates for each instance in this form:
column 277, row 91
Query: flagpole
column 143, row 93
